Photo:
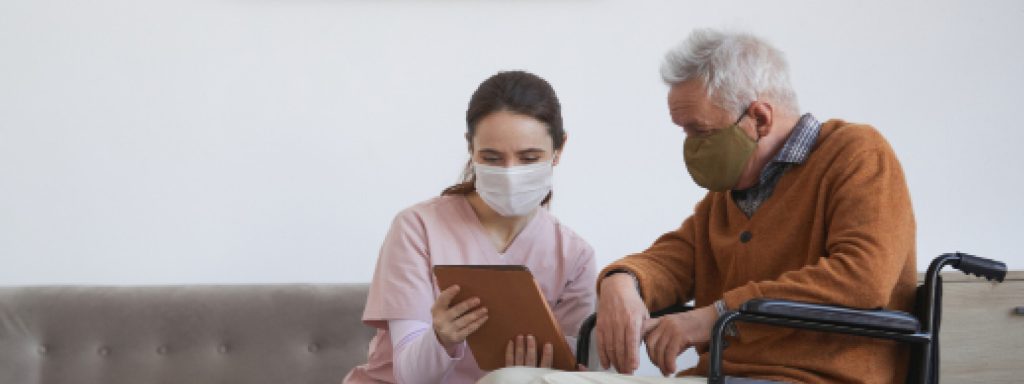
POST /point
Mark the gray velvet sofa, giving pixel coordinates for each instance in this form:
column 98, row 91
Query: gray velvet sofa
column 301, row 334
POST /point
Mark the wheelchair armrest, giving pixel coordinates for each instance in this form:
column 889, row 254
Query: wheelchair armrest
column 878, row 319
column 981, row 267
column 583, row 339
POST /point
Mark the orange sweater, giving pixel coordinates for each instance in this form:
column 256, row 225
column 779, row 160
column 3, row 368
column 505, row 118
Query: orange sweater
column 838, row 229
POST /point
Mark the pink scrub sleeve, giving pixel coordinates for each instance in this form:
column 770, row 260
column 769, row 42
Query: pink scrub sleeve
column 402, row 286
column 418, row 357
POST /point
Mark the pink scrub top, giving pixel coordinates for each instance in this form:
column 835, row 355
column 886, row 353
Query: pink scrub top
column 446, row 230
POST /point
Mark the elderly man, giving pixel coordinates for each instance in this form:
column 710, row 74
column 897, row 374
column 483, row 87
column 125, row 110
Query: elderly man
column 796, row 209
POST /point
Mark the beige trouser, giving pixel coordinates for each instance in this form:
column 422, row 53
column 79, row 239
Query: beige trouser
column 523, row 375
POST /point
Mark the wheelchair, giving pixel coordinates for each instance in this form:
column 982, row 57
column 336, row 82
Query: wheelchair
column 919, row 329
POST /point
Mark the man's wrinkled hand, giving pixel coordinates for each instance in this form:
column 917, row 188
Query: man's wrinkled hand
column 673, row 334
column 621, row 321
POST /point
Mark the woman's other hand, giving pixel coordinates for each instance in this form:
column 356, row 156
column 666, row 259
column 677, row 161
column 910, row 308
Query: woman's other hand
column 522, row 351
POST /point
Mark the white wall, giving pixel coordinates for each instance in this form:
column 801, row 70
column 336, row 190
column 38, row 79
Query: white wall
column 148, row 142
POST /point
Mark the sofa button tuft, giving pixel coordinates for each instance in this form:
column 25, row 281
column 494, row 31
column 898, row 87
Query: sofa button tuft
column 313, row 348
column 103, row 351
column 161, row 350
column 223, row 348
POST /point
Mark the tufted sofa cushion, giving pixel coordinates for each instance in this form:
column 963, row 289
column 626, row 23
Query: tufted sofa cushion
column 181, row 334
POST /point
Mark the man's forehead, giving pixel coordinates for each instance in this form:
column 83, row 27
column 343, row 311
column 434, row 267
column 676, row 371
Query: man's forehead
column 689, row 94
column 687, row 102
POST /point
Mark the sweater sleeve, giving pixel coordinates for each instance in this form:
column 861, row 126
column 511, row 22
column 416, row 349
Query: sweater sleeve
column 870, row 235
column 664, row 271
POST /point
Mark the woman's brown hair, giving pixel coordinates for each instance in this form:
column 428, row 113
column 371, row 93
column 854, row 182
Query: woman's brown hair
column 514, row 91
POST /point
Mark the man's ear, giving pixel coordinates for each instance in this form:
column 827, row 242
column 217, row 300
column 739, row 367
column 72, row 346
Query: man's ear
column 763, row 114
column 558, row 152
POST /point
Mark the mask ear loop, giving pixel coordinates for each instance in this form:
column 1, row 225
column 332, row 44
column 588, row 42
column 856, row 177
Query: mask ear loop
column 744, row 113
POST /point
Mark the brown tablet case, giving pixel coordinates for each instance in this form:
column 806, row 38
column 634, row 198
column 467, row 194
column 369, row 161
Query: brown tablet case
column 515, row 306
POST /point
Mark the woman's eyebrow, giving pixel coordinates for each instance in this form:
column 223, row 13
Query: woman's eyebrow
column 529, row 151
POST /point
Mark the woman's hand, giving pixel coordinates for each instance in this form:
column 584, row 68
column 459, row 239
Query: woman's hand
column 452, row 323
column 523, row 351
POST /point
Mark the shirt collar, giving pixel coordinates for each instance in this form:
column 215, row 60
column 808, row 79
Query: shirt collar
column 800, row 142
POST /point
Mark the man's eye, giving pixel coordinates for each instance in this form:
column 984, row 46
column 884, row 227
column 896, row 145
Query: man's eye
column 530, row 159
column 491, row 159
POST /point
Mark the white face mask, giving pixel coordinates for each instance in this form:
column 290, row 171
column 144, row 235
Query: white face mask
column 513, row 191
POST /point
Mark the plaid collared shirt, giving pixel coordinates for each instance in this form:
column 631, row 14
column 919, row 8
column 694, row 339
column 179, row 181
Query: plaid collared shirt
column 795, row 151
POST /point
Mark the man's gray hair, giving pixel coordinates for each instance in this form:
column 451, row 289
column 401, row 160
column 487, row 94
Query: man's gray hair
column 737, row 68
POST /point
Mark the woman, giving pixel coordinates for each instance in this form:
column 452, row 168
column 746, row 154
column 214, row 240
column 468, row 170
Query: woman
column 497, row 215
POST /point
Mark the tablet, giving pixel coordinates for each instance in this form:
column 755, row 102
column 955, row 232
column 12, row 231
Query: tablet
column 515, row 306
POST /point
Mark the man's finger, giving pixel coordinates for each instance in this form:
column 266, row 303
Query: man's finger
column 652, row 340
column 663, row 358
column 603, row 356
column 651, row 352
column 650, row 324
column 632, row 344
column 670, row 353
column 619, row 347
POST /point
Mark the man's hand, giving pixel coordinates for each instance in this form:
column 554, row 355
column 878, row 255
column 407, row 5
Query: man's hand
column 620, row 323
column 673, row 334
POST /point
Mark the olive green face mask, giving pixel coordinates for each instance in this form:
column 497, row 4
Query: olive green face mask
column 716, row 160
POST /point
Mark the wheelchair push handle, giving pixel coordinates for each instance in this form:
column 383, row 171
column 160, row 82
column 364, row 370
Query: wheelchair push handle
column 980, row 266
